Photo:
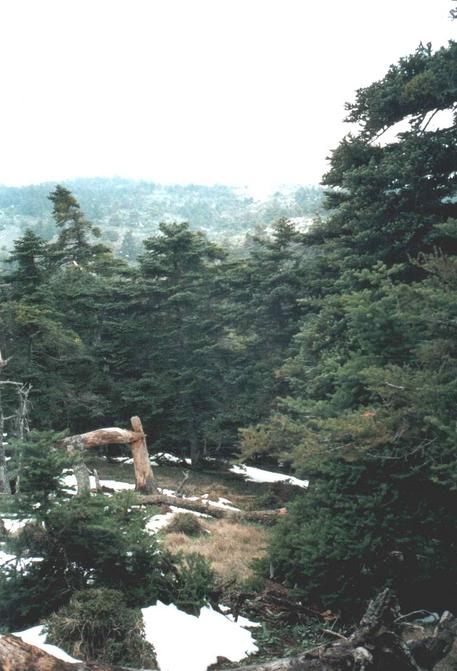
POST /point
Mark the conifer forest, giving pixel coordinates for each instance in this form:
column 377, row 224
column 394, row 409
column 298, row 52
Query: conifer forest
column 260, row 428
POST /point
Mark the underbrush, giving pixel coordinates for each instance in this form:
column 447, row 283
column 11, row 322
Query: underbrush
column 97, row 625
column 185, row 523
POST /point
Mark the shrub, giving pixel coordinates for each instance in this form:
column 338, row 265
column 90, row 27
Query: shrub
column 87, row 541
column 185, row 523
column 196, row 582
column 98, row 626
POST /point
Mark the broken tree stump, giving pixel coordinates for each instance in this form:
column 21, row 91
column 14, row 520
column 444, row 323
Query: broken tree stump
column 143, row 471
column 144, row 476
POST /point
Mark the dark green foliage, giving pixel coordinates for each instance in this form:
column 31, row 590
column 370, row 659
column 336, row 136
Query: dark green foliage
column 39, row 465
column 30, row 259
column 362, row 527
column 195, row 584
column 94, row 542
column 73, row 543
column 73, row 243
column 371, row 411
column 388, row 202
column 98, row 626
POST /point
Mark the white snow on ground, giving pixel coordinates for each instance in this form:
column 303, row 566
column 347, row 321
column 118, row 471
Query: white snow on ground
column 13, row 525
column 115, row 484
column 36, row 636
column 166, row 457
column 220, row 503
column 259, row 475
column 122, row 460
column 5, row 558
column 158, row 522
column 184, row 642
column 161, row 520
column 69, row 481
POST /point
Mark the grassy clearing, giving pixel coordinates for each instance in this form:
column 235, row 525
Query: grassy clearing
column 231, row 547
column 215, row 483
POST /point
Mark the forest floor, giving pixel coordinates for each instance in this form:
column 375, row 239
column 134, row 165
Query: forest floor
column 230, row 546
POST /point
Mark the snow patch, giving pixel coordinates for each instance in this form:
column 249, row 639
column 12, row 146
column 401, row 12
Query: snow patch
column 69, row 482
column 20, row 564
column 5, row 558
column 201, row 639
column 13, row 525
column 166, row 457
column 253, row 474
column 161, row 520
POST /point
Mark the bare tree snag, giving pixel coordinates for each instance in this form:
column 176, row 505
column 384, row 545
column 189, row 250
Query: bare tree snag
column 144, row 476
column 143, row 472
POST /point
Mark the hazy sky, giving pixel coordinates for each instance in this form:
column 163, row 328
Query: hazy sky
column 229, row 91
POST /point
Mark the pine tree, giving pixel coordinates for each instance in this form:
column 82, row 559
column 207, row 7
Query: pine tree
column 74, row 241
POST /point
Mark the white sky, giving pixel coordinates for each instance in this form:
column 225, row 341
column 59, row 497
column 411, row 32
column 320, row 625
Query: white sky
column 204, row 91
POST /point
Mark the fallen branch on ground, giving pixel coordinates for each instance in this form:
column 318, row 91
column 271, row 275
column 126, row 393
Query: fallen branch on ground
column 200, row 506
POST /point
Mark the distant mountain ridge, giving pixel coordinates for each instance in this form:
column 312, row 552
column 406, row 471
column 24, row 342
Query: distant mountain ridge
column 129, row 210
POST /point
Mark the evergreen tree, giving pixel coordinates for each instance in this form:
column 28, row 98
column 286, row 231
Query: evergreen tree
column 370, row 416
column 74, row 240
column 30, row 260
column 388, row 202
column 175, row 354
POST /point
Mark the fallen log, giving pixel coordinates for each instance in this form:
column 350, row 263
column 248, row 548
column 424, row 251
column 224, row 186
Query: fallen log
column 15, row 655
column 199, row 506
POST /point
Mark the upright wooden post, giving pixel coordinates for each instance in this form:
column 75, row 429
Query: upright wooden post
column 144, row 476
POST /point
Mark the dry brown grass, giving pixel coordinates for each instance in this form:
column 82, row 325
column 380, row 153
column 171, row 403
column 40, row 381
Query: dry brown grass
column 229, row 546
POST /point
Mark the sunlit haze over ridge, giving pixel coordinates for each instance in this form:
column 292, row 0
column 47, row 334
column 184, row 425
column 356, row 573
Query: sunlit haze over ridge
column 239, row 92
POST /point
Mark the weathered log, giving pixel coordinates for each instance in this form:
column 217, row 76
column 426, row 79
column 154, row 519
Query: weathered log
column 15, row 655
column 110, row 436
column 262, row 516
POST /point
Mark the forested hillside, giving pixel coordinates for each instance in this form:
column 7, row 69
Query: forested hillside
column 128, row 211
column 329, row 351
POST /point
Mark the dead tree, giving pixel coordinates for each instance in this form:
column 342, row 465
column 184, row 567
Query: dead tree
column 20, row 419
column 144, row 477
column 376, row 645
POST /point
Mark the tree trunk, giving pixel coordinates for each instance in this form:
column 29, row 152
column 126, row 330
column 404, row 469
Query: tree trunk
column 144, row 476
column 4, row 479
